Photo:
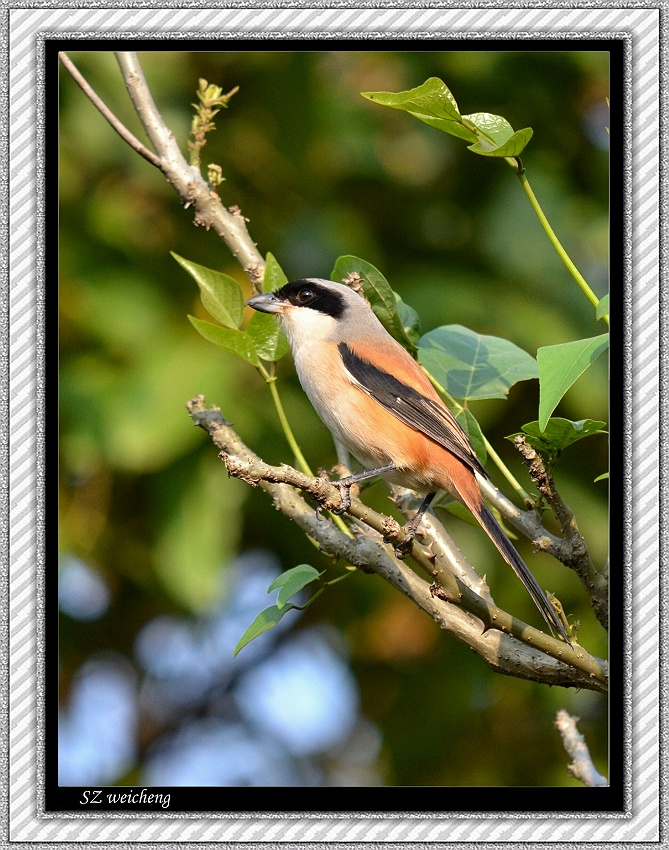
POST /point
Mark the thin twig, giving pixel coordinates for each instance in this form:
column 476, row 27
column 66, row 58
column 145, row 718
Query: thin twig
column 187, row 181
column 102, row 107
column 573, row 551
column 161, row 136
column 581, row 766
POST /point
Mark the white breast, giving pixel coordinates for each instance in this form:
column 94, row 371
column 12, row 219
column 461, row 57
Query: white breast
column 323, row 376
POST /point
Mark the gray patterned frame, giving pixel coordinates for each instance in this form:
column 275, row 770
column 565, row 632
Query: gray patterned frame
column 25, row 25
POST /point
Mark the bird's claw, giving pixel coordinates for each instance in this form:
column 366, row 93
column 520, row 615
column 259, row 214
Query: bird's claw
column 345, row 493
column 403, row 549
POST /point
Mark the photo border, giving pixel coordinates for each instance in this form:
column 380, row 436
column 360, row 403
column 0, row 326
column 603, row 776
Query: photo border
column 25, row 381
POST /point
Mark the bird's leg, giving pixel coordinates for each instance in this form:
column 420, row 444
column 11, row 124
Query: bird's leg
column 345, row 484
column 411, row 527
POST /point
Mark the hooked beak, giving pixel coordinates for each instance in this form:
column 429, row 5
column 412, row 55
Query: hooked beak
column 267, row 302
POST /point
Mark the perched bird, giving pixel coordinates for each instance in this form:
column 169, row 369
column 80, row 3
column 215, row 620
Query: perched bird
column 380, row 405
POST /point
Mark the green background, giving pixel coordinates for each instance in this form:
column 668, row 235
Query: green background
column 321, row 172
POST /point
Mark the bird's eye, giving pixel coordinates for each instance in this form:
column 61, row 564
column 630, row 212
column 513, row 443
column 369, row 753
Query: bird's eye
column 304, row 296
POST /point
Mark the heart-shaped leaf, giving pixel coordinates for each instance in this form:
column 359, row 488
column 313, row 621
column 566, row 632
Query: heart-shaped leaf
column 496, row 136
column 560, row 366
column 474, row 366
column 432, row 103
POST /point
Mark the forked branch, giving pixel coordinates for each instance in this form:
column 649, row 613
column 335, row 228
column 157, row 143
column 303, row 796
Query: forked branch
column 507, row 644
column 190, row 185
column 504, row 642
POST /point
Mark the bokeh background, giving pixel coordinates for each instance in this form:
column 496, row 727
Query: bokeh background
column 164, row 561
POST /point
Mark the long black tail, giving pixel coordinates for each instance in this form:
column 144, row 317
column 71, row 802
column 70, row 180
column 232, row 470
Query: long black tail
column 513, row 559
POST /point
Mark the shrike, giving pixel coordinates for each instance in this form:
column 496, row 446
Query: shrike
column 380, row 405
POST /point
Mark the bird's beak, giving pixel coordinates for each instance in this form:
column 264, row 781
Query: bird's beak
column 267, row 302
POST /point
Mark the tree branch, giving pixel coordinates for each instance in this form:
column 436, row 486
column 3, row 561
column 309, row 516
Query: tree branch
column 102, row 107
column 187, row 181
column 441, row 544
column 582, row 766
column 444, row 600
column 527, row 522
column 507, row 644
column 572, row 551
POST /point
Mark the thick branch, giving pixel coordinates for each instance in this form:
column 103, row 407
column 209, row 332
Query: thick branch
column 480, row 626
column 573, row 552
column 441, row 544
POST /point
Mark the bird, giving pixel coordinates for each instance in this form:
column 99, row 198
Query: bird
column 381, row 406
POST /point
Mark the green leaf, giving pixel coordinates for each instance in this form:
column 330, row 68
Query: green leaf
column 474, row 366
column 265, row 621
column 513, row 147
column 472, row 429
column 432, row 103
column 220, row 294
column 409, row 318
column 603, row 477
column 292, row 581
column 378, row 292
column 491, row 128
column 603, row 307
column 559, row 433
column 268, row 339
column 238, row 342
column 274, row 277
column 496, row 136
column 560, row 366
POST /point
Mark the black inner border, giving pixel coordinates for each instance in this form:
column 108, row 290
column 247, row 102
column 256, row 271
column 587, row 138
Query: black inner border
column 407, row 801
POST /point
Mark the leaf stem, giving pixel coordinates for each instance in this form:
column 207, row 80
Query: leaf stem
column 324, row 586
column 555, row 242
column 285, row 425
column 506, row 472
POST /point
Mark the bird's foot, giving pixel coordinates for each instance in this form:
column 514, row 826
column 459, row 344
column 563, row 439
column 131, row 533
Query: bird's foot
column 344, row 485
column 403, row 549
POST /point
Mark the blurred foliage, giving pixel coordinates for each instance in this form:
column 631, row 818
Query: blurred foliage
column 321, row 172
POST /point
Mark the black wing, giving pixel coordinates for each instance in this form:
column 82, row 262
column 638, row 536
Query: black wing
column 411, row 407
